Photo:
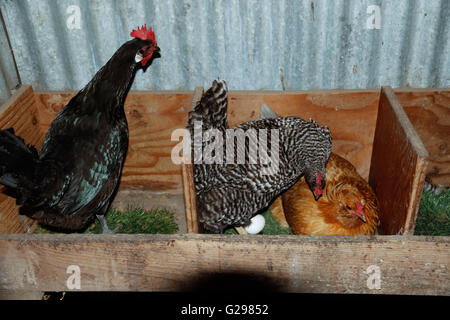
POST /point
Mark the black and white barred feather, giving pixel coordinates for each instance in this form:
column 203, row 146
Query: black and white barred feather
column 229, row 194
column 211, row 110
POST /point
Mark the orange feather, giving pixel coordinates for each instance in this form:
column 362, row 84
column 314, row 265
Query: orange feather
column 338, row 212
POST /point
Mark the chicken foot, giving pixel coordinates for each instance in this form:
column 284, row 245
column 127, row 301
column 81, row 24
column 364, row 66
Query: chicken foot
column 106, row 230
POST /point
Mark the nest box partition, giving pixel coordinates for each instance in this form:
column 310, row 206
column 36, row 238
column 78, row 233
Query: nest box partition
column 190, row 198
column 399, row 161
column 389, row 146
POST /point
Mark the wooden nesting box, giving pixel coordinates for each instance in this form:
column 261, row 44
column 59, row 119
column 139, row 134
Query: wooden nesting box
column 370, row 128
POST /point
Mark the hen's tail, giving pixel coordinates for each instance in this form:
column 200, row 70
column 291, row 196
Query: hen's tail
column 212, row 108
column 18, row 162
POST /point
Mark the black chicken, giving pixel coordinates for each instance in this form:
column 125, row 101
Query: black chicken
column 230, row 194
column 75, row 175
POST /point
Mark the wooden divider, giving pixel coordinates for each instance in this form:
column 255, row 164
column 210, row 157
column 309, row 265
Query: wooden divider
column 397, row 172
column 190, row 198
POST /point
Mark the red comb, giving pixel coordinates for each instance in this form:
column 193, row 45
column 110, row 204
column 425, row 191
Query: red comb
column 143, row 33
column 319, row 179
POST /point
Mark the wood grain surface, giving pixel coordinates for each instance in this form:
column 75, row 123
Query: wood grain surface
column 190, row 199
column 398, row 165
column 339, row 264
column 429, row 112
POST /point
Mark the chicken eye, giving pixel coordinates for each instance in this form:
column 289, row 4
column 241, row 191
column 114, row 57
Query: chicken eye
column 348, row 207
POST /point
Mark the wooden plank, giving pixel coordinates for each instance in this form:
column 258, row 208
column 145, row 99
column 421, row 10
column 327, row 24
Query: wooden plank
column 20, row 295
column 190, row 198
column 152, row 116
column 397, row 172
column 420, row 90
column 429, row 112
column 19, row 112
column 347, row 264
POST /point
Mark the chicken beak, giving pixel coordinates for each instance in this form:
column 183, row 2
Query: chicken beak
column 362, row 216
column 317, row 193
column 157, row 52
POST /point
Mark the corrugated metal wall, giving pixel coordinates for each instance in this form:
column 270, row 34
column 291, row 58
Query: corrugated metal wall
column 252, row 44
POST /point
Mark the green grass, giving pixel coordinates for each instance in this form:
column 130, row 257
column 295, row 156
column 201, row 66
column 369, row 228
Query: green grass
column 273, row 226
column 433, row 218
column 132, row 220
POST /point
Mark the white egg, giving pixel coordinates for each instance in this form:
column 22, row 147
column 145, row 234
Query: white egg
column 256, row 224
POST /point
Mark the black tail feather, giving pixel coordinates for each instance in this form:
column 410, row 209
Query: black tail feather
column 17, row 164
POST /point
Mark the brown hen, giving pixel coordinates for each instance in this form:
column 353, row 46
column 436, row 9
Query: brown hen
column 348, row 205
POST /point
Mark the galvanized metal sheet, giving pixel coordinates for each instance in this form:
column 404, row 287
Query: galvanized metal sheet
column 253, row 44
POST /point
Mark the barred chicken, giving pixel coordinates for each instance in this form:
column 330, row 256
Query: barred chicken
column 270, row 155
column 74, row 176
column 348, row 206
